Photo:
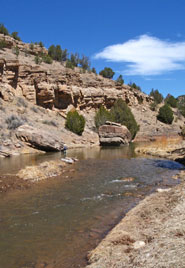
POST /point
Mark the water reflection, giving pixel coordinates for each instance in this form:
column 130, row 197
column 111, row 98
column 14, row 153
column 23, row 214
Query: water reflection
column 103, row 152
column 169, row 164
column 13, row 164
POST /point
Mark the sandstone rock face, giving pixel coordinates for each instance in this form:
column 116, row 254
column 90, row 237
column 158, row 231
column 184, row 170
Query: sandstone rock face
column 114, row 134
column 39, row 139
column 58, row 88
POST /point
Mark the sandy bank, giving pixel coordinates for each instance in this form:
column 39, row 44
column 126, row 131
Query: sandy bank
column 30, row 175
column 150, row 235
column 165, row 148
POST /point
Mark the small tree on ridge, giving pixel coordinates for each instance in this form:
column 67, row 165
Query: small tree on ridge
column 107, row 73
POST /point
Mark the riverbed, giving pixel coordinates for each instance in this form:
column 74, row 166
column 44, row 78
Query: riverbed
column 57, row 223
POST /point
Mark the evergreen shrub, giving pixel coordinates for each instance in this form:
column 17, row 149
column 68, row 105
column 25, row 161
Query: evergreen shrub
column 75, row 122
column 119, row 113
column 122, row 114
column 102, row 115
column 165, row 114
column 171, row 101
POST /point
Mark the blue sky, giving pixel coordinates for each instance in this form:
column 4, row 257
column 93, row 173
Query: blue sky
column 142, row 39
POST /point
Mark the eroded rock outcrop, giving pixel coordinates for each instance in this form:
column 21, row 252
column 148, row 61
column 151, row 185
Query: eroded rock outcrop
column 27, row 48
column 114, row 134
column 58, row 88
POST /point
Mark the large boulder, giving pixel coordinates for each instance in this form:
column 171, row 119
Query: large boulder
column 39, row 139
column 114, row 134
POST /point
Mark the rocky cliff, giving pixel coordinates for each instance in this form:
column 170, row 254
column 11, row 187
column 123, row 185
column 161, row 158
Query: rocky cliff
column 59, row 89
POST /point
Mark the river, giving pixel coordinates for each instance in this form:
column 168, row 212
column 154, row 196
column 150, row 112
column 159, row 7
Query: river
column 57, row 223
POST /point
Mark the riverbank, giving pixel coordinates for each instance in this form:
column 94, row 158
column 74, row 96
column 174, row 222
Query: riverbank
column 150, row 235
column 170, row 148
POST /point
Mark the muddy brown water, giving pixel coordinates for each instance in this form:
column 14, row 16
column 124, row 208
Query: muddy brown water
column 58, row 223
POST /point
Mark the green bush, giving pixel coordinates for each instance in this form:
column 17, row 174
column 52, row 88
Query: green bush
column 51, row 51
column 56, row 53
column 102, row 115
column 120, row 80
column 93, row 70
column 69, row 64
column 153, row 106
column 75, row 122
column 47, row 59
column 75, row 59
column 41, row 44
column 84, row 63
column 37, row 60
column 31, row 46
column 133, row 85
column 170, row 100
column 181, row 104
column 3, row 29
column 165, row 114
column 15, row 36
column 122, row 114
column 158, row 97
column 2, row 44
column 182, row 110
column 107, row 73
column 64, row 55
column 119, row 113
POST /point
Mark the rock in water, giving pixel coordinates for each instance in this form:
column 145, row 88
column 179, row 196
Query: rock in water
column 114, row 134
column 39, row 139
column 67, row 160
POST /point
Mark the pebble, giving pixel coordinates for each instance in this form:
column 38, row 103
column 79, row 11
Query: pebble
column 159, row 190
column 138, row 244
column 127, row 179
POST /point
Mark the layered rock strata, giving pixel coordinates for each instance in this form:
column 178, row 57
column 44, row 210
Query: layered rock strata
column 114, row 134
column 58, row 88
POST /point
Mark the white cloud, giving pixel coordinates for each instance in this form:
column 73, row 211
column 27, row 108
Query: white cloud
column 146, row 55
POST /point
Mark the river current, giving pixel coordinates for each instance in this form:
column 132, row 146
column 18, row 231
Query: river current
column 57, row 223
